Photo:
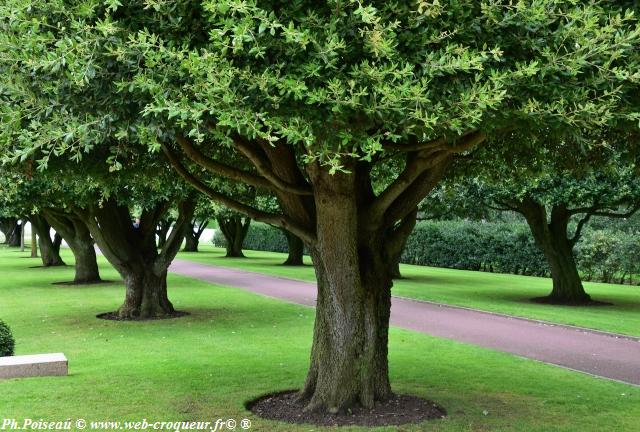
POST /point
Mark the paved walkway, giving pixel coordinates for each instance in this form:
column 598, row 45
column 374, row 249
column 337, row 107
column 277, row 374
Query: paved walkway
column 598, row 353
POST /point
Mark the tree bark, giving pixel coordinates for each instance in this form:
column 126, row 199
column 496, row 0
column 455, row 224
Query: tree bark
column 552, row 238
column 349, row 363
column 78, row 238
column 234, row 228
column 134, row 253
column 49, row 249
column 295, row 248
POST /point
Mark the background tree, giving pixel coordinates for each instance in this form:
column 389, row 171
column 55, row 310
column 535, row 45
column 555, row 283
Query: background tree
column 568, row 184
column 11, row 229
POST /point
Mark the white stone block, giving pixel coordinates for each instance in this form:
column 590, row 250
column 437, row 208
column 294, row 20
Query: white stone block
column 55, row 364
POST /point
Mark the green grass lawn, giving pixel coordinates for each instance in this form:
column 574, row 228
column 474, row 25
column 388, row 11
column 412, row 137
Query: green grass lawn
column 236, row 345
column 503, row 293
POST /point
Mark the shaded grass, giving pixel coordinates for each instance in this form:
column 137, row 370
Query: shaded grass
column 502, row 293
column 236, row 345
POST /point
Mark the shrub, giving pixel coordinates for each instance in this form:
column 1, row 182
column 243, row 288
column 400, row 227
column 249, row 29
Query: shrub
column 498, row 246
column 7, row 342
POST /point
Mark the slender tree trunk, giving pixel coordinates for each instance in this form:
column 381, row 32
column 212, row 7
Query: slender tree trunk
column 49, row 249
column 34, row 245
column 235, row 230
column 552, row 238
column 295, row 248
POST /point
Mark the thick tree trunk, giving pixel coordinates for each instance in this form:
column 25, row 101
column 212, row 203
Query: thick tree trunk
column 146, row 294
column 349, row 353
column 133, row 252
column 295, row 250
column 86, row 263
column 78, row 238
column 191, row 242
column 49, row 249
column 552, row 239
column 11, row 230
column 235, row 230
column 567, row 286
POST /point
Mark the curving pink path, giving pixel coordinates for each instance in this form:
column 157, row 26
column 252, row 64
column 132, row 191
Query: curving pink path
column 598, row 353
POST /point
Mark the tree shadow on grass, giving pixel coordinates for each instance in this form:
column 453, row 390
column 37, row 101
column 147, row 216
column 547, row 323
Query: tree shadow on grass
column 83, row 284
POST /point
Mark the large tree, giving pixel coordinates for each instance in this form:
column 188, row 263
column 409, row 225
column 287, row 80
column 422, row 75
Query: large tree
column 317, row 99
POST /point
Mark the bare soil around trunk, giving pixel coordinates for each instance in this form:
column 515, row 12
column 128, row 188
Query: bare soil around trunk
column 113, row 316
column 399, row 410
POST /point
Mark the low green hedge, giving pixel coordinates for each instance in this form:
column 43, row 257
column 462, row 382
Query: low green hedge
column 7, row 343
column 506, row 247
column 500, row 247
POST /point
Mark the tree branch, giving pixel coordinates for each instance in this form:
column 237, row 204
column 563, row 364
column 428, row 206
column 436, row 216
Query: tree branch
column 619, row 215
column 261, row 216
column 221, row 169
column 262, row 165
column 469, row 140
column 578, row 232
column 417, row 164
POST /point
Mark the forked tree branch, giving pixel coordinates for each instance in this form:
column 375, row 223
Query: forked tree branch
column 263, row 167
column 221, row 169
column 429, row 157
column 259, row 215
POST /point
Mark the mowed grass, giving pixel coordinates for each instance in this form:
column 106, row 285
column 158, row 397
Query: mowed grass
column 236, row 345
column 502, row 293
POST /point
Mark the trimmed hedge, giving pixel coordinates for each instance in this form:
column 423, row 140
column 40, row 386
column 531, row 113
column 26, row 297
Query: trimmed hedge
column 499, row 247
column 505, row 247
column 7, row 343
column 261, row 237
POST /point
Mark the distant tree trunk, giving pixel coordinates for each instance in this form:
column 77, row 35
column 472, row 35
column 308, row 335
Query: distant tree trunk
column 552, row 239
column 78, row 238
column 163, row 230
column 295, row 248
column 49, row 249
column 34, row 245
column 11, row 230
column 234, row 228
column 134, row 253
column 193, row 233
